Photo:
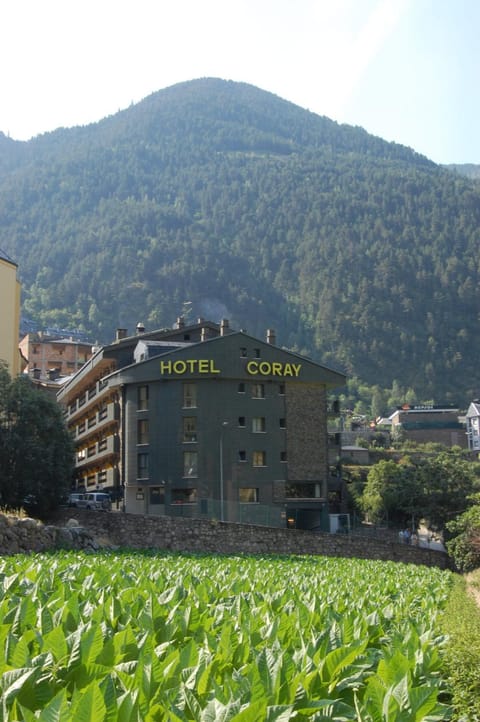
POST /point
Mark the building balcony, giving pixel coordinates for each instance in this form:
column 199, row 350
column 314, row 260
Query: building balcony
column 99, row 420
column 98, row 452
column 81, row 405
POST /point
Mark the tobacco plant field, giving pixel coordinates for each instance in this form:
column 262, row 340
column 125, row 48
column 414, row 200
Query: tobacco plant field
column 138, row 637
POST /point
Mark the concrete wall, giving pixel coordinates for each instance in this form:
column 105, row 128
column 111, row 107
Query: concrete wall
column 200, row 535
column 10, row 315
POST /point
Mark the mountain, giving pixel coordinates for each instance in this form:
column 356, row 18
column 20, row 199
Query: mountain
column 359, row 252
column 470, row 170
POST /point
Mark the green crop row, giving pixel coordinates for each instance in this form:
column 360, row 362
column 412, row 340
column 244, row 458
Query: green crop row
column 143, row 637
column 461, row 621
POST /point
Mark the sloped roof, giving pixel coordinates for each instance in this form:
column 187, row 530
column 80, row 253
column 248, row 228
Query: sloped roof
column 237, row 366
column 5, row 257
column 473, row 409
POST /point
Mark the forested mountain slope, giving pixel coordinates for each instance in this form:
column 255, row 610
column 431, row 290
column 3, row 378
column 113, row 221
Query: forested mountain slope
column 359, row 252
column 470, row 170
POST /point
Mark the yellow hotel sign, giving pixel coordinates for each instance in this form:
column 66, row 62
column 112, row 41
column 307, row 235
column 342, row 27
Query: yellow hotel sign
column 274, row 368
column 207, row 366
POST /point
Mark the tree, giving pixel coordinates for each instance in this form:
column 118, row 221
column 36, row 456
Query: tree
column 390, row 492
column 447, row 481
column 433, row 489
column 36, row 449
column 464, row 548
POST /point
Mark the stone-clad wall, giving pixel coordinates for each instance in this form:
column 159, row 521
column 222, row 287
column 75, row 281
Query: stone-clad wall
column 201, row 535
column 307, row 433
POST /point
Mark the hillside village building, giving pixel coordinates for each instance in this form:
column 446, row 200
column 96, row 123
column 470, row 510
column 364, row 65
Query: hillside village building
column 49, row 356
column 473, row 426
column 203, row 421
column 425, row 423
column 9, row 313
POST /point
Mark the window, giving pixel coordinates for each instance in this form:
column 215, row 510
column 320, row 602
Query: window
column 257, row 353
column 258, row 391
column 157, row 495
column 283, row 456
column 283, row 423
column 241, row 388
column 142, row 431
column 258, row 425
column 303, row 490
column 189, row 428
column 248, row 495
column 243, row 352
column 241, row 421
column 184, row 496
column 242, row 455
column 190, row 463
column 189, row 396
column 142, row 466
column 259, row 458
column 142, row 398
column 281, row 389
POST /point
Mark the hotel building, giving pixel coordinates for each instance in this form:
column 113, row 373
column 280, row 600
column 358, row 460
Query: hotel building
column 204, row 421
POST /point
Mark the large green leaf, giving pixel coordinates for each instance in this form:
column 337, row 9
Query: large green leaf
column 339, row 660
column 88, row 704
column 58, row 710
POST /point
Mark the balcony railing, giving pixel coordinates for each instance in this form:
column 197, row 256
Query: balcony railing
column 98, row 452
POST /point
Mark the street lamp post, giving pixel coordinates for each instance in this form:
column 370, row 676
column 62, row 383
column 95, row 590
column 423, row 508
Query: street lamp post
column 224, row 424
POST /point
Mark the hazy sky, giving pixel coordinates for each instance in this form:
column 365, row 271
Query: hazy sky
column 405, row 70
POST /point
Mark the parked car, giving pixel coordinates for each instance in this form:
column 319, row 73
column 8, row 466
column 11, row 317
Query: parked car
column 95, row 500
column 73, row 499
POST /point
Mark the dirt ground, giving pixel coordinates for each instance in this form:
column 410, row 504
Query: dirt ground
column 473, row 585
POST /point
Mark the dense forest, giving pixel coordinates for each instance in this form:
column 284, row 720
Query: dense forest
column 360, row 253
column 470, row 170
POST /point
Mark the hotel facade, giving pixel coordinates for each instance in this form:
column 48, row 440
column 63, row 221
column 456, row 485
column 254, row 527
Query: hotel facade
column 208, row 422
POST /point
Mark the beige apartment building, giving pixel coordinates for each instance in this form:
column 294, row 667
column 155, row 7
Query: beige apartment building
column 10, row 313
column 47, row 356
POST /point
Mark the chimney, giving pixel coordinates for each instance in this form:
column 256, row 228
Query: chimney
column 180, row 322
column 271, row 336
column 36, row 374
column 53, row 374
column 140, row 328
column 224, row 326
column 121, row 333
column 203, row 334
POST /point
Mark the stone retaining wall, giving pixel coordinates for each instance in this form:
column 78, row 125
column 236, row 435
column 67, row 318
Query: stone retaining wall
column 24, row 535
column 200, row 535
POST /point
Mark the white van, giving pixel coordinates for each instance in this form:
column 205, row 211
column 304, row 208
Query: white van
column 95, row 500
column 74, row 498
